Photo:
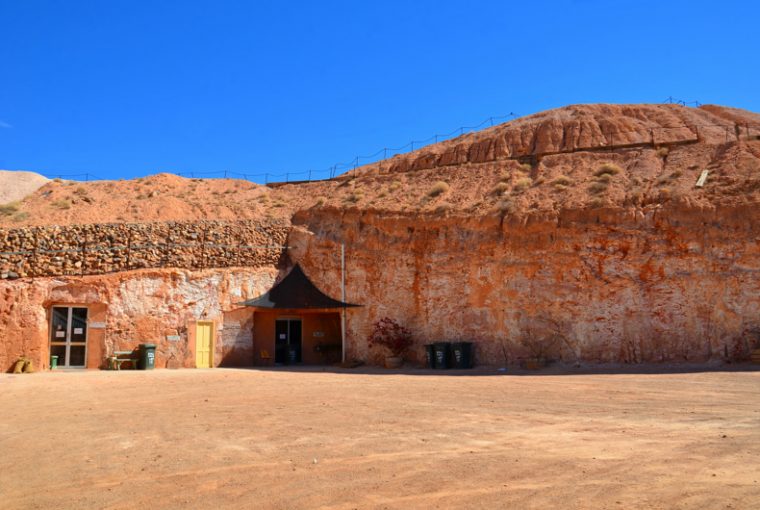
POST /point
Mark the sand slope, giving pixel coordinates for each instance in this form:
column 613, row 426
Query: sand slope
column 15, row 185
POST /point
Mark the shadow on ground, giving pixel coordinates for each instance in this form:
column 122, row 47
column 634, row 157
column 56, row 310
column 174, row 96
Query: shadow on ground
column 556, row 369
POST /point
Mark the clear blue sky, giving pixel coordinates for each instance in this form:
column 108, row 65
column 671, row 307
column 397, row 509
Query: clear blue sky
column 130, row 88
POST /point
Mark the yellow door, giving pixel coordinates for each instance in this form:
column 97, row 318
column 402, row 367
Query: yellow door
column 203, row 344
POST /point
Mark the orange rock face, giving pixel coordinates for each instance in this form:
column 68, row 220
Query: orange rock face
column 149, row 306
column 602, row 286
column 578, row 234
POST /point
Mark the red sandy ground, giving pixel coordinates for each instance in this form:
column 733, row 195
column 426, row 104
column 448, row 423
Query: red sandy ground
column 298, row 439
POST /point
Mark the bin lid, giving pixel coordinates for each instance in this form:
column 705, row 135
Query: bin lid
column 148, row 346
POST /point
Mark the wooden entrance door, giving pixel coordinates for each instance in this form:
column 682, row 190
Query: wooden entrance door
column 287, row 342
column 68, row 336
column 204, row 344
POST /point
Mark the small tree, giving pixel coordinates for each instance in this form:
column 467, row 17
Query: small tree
column 390, row 334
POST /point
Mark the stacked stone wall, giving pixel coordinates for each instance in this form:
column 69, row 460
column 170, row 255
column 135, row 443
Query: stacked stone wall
column 107, row 248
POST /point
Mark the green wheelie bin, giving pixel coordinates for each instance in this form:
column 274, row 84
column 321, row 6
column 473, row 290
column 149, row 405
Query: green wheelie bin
column 147, row 356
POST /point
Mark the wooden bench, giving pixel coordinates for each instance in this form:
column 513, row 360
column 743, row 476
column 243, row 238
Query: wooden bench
column 118, row 358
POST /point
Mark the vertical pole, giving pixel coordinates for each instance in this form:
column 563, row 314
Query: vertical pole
column 343, row 298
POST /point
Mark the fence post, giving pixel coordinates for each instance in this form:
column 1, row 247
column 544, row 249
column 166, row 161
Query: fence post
column 309, row 174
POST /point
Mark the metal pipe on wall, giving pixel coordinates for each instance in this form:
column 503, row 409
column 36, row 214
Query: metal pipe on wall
column 343, row 299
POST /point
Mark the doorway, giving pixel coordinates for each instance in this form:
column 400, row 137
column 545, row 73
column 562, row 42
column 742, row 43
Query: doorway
column 68, row 336
column 287, row 341
column 204, row 345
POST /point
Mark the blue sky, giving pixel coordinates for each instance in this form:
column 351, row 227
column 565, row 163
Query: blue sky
column 123, row 89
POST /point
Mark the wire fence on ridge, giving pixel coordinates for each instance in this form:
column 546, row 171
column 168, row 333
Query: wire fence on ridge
column 614, row 138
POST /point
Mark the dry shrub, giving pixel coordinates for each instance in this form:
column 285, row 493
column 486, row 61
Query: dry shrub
column 354, row 197
column 608, row 168
column 522, row 184
column 438, row 188
column 562, row 182
column 505, row 206
column 596, row 203
column 321, row 201
column 395, row 185
column 676, row 174
column 597, row 187
column 526, row 168
column 62, row 204
column 663, row 152
column 21, row 216
column 443, row 208
column 500, row 188
column 505, row 176
column 605, row 178
column 8, row 209
column 635, row 196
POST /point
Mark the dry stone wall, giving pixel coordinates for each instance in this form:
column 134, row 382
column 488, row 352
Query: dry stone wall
column 107, row 248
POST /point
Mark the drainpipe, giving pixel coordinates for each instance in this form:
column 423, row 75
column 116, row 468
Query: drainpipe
column 343, row 298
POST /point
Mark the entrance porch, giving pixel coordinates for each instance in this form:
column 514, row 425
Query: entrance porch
column 296, row 323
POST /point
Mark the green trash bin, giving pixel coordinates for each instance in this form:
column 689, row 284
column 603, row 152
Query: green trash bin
column 53, row 362
column 461, row 354
column 442, row 351
column 147, row 356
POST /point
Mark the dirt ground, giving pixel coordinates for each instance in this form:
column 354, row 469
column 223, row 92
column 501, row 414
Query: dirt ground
column 375, row 439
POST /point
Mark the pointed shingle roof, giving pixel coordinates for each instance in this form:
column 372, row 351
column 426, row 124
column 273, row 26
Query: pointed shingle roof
column 296, row 290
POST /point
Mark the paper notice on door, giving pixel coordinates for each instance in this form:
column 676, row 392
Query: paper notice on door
column 60, row 334
column 78, row 331
column 283, row 336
